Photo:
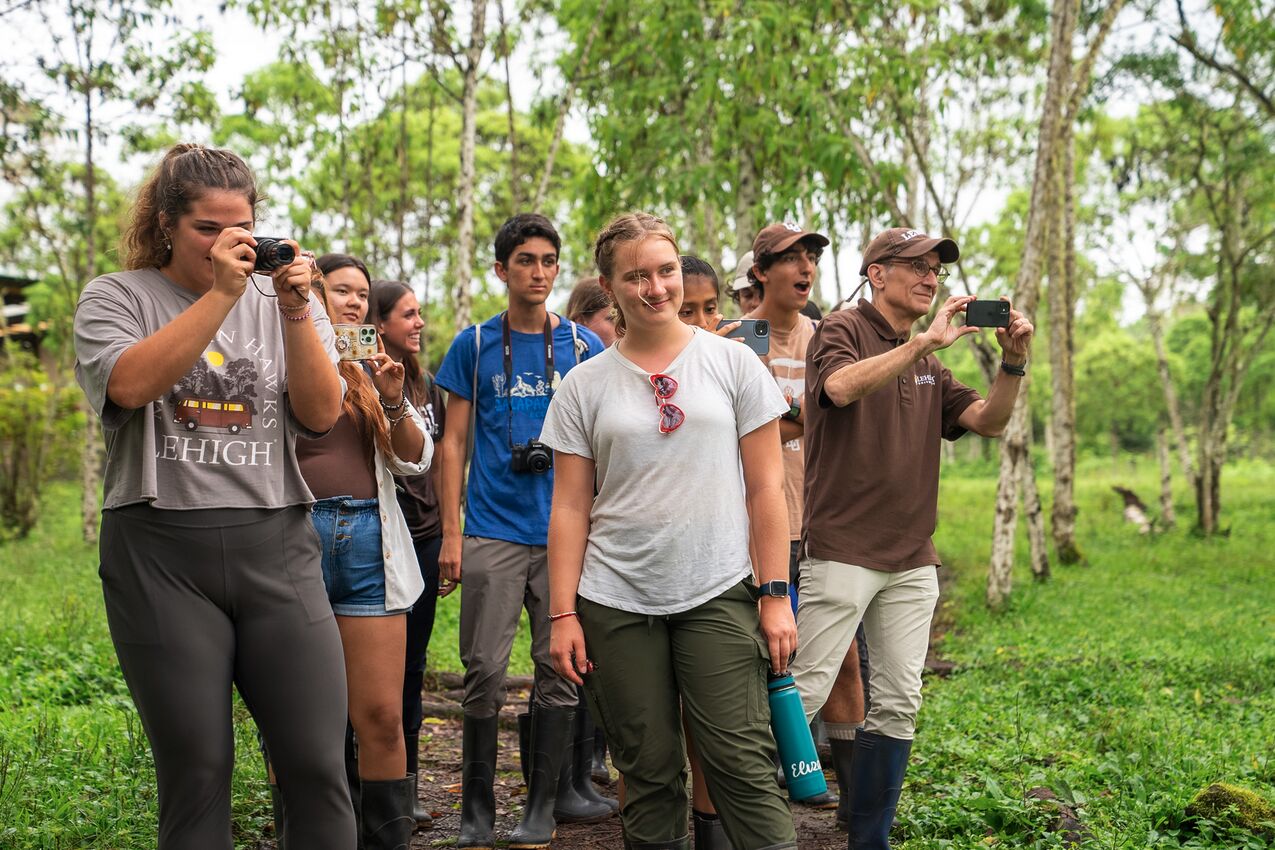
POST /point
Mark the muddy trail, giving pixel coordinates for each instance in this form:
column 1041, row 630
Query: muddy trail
column 440, row 760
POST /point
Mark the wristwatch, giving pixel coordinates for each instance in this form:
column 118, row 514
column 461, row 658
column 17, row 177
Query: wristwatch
column 777, row 587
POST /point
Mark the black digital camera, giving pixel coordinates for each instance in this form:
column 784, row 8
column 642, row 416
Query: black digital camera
column 532, row 456
column 272, row 254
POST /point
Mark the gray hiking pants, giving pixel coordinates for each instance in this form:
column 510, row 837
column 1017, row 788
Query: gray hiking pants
column 198, row 601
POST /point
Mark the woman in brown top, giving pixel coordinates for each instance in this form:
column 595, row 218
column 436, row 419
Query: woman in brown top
column 369, row 566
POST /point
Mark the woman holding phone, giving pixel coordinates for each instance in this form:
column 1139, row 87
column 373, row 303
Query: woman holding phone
column 654, row 607
column 205, row 375
column 369, row 564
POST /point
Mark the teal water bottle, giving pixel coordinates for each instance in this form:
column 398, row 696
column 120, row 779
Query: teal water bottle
column 797, row 751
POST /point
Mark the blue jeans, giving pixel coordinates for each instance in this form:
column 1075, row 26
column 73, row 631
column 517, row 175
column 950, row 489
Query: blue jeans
column 353, row 568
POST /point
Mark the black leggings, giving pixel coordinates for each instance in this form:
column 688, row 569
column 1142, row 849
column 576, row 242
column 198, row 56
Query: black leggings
column 198, row 601
column 420, row 624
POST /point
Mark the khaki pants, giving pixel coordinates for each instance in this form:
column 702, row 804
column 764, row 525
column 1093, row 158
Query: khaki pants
column 499, row 580
column 708, row 664
column 896, row 610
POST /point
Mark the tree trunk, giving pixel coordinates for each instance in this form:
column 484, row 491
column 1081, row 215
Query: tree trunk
column 463, row 299
column 746, row 204
column 90, row 451
column 1036, row 536
column 1000, row 573
column 404, row 176
column 515, row 191
column 564, row 106
column 1168, row 517
column 1026, row 296
column 1062, row 305
column 1156, row 329
column 429, row 213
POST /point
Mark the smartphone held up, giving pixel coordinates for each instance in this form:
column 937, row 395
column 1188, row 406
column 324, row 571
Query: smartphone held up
column 754, row 333
column 987, row 314
column 355, row 342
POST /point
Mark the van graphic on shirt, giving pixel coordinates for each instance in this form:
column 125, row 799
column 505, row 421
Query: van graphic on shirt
column 216, row 394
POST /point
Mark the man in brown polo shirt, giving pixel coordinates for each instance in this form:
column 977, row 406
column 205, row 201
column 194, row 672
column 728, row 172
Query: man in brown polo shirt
column 877, row 403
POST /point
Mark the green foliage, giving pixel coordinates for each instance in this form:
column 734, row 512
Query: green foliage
column 39, row 429
column 1119, row 402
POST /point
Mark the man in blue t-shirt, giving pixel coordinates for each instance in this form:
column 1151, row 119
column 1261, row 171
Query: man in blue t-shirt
column 502, row 375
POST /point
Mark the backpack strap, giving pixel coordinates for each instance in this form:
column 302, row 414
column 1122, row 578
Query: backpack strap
column 473, row 399
column 579, row 345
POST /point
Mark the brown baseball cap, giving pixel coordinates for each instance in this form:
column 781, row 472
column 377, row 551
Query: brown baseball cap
column 779, row 237
column 905, row 243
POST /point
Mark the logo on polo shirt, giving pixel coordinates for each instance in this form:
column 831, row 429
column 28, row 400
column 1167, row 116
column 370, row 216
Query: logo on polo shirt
column 924, row 380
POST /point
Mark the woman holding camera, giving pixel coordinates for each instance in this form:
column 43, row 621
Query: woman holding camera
column 369, row 565
column 210, row 568
column 652, row 602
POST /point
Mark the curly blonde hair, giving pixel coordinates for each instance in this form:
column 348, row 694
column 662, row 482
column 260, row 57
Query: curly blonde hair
column 182, row 177
column 627, row 228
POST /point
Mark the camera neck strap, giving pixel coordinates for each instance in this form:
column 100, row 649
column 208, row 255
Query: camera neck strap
column 507, row 342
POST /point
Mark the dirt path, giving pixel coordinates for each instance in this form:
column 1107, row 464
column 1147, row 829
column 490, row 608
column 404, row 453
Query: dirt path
column 440, row 752
column 440, row 759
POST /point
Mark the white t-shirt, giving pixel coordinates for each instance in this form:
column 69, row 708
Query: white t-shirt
column 669, row 526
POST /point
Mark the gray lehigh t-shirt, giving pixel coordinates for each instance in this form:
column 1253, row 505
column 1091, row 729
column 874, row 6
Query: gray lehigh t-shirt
column 669, row 525
column 223, row 436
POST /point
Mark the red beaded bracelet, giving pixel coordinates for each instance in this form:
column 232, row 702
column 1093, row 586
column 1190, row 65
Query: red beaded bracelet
column 287, row 314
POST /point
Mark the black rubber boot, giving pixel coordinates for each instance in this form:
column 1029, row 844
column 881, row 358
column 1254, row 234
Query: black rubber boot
column 387, row 813
column 709, row 834
column 524, row 744
column 842, row 759
column 876, row 780
column 352, row 778
column 276, row 805
column 478, row 777
column 599, row 770
column 578, row 801
column 419, row 813
column 550, row 731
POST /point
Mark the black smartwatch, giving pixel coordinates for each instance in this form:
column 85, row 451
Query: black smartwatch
column 777, row 587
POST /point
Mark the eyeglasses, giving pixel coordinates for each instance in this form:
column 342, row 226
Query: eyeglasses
column 922, row 268
column 671, row 416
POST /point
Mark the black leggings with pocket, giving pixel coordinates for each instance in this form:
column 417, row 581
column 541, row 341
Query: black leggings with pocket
column 198, row 601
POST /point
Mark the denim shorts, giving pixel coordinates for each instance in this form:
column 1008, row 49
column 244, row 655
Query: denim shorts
column 353, row 567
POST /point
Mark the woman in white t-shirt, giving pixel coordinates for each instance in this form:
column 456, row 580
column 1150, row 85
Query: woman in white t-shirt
column 655, row 611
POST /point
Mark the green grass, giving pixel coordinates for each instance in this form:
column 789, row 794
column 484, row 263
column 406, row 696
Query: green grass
column 1124, row 685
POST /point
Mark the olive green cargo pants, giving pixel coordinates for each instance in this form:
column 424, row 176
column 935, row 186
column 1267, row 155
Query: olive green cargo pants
column 710, row 663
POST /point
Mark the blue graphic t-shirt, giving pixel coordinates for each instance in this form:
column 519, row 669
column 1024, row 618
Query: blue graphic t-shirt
column 503, row 504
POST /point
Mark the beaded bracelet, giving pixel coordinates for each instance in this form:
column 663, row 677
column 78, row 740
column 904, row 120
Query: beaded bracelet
column 288, row 314
column 563, row 616
column 394, row 420
column 388, row 407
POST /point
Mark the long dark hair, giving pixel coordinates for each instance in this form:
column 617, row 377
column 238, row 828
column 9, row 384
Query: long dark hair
column 380, row 303
column 186, row 172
